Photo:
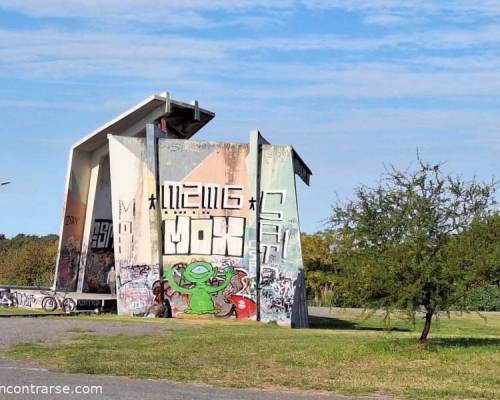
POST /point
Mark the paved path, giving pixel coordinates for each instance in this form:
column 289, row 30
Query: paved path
column 18, row 330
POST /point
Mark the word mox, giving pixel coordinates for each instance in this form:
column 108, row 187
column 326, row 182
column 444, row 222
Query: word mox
column 212, row 227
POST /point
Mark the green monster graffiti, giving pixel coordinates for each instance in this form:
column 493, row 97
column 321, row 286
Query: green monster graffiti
column 198, row 273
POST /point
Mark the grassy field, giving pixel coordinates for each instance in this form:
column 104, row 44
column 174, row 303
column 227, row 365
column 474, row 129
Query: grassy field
column 20, row 311
column 345, row 354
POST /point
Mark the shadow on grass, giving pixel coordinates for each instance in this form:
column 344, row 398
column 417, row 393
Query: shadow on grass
column 464, row 342
column 335, row 323
column 433, row 343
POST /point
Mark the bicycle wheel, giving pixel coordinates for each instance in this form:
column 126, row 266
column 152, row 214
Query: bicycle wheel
column 49, row 303
column 69, row 305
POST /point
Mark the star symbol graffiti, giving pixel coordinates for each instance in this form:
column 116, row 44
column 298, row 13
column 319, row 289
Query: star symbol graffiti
column 252, row 202
column 152, row 200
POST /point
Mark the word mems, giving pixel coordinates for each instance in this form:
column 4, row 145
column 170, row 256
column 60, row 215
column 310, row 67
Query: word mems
column 178, row 195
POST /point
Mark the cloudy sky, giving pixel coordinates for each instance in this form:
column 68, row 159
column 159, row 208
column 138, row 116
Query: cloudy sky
column 353, row 85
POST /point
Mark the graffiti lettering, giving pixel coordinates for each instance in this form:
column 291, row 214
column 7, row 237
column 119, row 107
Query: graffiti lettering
column 25, row 299
column 195, row 195
column 102, row 235
column 216, row 235
column 71, row 220
column 273, row 239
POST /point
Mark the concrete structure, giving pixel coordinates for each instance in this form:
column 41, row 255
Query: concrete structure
column 206, row 227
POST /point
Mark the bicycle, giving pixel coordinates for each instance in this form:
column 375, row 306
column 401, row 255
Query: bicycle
column 7, row 299
column 53, row 300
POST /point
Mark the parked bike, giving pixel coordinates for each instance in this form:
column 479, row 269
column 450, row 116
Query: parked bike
column 7, row 299
column 54, row 300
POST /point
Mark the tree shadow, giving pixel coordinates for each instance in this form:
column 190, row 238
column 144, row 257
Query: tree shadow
column 464, row 342
column 316, row 322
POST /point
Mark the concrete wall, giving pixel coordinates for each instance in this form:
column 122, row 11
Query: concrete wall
column 206, row 203
column 282, row 276
column 70, row 244
column 192, row 213
column 26, row 298
column 97, row 250
column 136, row 270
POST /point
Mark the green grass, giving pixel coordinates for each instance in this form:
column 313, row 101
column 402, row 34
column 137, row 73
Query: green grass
column 20, row 311
column 80, row 330
column 345, row 354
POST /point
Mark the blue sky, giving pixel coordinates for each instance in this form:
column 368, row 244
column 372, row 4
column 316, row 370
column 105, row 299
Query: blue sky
column 351, row 84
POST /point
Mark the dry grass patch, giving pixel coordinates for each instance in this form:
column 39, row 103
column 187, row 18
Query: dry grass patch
column 343, row 355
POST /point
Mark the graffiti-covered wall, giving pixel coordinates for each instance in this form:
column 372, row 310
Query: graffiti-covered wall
column 136, row 270
column 211, row 224
column 171, row 225
column 281, row 277
column 97, row 254
column 205, row 205
column 73, row 223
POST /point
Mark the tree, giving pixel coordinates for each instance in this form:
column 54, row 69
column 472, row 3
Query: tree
column 321, row 266
column 28, row 260
column 397, row 238
column 478, row 250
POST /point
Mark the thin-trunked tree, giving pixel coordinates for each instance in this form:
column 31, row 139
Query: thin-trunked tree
column 397, row 238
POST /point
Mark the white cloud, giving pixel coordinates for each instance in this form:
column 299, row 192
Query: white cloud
column 193, row 13
column 133, row 9
column 444, row 8
column 237, row 66
column 384, row 19
column 164, row 13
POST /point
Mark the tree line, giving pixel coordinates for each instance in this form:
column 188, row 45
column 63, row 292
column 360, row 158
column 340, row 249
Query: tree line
column 28, row 260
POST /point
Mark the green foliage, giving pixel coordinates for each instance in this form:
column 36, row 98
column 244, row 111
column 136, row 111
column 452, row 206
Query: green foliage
column 28, row 260
column 484, row 298
column 411, row 242
column 321, row 267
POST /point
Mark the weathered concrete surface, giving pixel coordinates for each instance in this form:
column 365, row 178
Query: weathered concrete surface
column 22, row 330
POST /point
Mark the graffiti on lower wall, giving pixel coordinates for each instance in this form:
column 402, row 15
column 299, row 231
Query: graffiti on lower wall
column 201, row 288
column 27, row 299
column 135, row 286
column 99, row 257
column 24, row 298
column 69, row 263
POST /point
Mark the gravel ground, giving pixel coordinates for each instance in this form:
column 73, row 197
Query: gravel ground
column 22, row 329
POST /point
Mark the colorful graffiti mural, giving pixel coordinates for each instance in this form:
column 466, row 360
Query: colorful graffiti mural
column 200, row 227
column 221, row 250
column 199, row 275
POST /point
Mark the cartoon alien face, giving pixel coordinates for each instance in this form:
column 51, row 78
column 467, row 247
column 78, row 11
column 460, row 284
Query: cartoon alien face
column 199, row 272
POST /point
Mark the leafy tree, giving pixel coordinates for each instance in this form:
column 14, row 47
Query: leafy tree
column 28, row 260
column 478, row 250
column 398, row 236
column 321, row 266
